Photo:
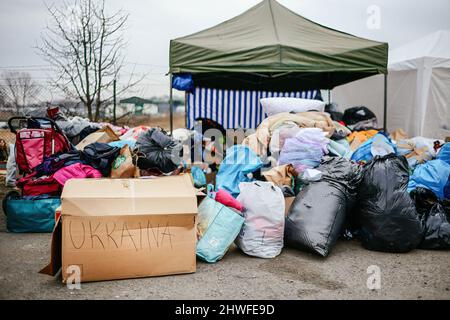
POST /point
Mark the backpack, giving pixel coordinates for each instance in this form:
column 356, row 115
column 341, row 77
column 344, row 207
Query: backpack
column 41, row 138
column 100, row 156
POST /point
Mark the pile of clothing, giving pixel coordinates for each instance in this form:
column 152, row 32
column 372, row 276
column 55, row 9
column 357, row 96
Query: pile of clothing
column 49, row 177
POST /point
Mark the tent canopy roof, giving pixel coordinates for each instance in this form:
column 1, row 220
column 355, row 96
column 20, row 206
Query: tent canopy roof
column 270, row 46
column 435, row 47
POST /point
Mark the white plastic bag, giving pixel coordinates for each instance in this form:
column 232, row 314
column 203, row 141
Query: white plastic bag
column 263, row 230
column 181, row 134
column 10, row 180
column 311, row 175
column 276, row 105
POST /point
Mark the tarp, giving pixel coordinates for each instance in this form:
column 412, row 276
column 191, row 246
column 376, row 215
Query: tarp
column 269, row 47
column 417, row 95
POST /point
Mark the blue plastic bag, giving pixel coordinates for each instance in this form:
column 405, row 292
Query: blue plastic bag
column 378, row 145
column 120, row 143
column 183, row 81
column 218, row 226
column 26, row 215
column 198, row 176
column 447, row 189
column 444, row 153
column 432, row 175
column 239, row 161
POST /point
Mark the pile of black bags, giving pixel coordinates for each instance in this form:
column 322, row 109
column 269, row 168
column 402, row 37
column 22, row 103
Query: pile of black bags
column 373, row 199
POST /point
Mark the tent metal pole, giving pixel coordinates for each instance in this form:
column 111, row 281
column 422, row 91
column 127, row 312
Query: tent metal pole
column 329, row 96
column 385, row 104
column 171, row 105
column 185, row 110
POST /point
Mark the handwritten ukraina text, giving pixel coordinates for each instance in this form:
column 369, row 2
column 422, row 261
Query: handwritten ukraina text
column 110, row 235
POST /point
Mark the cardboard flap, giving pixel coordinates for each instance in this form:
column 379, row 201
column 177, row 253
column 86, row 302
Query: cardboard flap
column 104, row 135
column 55, row 258
column 103, row 197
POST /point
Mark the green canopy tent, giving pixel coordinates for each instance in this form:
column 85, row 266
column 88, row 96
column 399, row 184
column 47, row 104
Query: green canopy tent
column 269, row 47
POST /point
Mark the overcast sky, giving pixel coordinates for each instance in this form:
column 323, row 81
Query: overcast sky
column 152, row 23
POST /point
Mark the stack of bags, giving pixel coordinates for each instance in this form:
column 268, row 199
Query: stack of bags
column 348, row 178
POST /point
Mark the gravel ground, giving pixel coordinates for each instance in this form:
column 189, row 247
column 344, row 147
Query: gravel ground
column 292, row 275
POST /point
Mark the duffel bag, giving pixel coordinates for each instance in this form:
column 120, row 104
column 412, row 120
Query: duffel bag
column 30, row 214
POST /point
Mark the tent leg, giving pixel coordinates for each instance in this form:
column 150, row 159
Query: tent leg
column 171, row 105
column 385, row 104
column 329, row 96
column 185, row 111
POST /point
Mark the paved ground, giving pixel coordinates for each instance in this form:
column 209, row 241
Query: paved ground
column 293, row 275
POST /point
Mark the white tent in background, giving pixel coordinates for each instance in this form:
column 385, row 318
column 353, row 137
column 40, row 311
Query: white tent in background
column 418, row 88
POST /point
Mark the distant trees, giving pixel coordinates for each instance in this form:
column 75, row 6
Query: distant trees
column 17, row 90
column 84, row 46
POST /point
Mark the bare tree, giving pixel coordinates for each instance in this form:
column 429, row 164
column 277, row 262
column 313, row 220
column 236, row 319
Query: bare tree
column 84, row 44
column 18, row 89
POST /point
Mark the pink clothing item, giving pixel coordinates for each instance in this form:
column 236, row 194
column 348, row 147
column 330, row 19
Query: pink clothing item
column 76, row 171
column 227, row 199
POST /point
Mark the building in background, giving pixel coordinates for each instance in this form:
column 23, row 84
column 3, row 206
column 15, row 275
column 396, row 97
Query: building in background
column 137, row 106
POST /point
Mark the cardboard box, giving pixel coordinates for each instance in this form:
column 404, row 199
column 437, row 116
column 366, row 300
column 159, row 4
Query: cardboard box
column 104, row 135
column 125, row 228
column 287, row 204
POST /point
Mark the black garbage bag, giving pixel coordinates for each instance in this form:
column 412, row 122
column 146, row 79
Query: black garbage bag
column 435, row 220
column 446, row 205
column 157, row 150
column 318, row 212
column 386, row 214
column 436, row 229
column 357, row 114
column 424, row 199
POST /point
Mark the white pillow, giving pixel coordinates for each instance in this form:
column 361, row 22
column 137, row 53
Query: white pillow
column 276, row 105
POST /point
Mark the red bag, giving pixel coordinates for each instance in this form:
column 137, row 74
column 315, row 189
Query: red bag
column 32, row 186
column 33, row 144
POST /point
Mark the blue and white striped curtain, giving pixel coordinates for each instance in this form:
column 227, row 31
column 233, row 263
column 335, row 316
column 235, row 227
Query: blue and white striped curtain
column 233, row 108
